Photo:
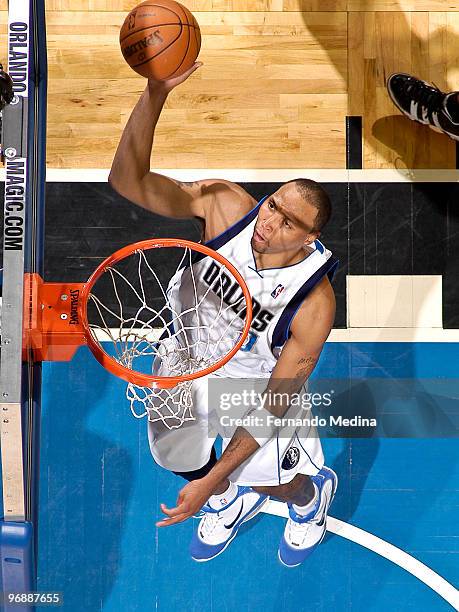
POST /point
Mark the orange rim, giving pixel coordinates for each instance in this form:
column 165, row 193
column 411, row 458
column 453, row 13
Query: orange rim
column 149, row 380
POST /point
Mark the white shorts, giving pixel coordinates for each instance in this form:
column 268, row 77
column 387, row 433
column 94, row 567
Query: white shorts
column 294, row 451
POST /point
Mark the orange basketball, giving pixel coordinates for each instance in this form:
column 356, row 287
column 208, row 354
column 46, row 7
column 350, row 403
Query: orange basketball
column 160, row 39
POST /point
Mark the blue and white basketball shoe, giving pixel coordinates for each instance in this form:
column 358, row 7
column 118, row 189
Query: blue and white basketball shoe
column 217, row 528
column 303, row 534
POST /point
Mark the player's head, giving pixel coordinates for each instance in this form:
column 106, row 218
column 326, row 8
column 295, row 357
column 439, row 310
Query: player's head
column 292, row 217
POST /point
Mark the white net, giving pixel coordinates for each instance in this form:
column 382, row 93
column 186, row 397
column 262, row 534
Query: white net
column 166, row 312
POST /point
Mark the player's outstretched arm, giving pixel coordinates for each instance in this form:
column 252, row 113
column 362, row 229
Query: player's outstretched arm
column 130, row 172
column 309, row 331
column 131, row 177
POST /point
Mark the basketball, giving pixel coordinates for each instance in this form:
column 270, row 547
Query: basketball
column 160, row 39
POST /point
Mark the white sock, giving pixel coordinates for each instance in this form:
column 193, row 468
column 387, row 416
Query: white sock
column 303, row 510
column 217, row 502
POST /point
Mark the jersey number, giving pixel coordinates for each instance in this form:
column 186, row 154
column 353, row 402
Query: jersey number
column 249, row 342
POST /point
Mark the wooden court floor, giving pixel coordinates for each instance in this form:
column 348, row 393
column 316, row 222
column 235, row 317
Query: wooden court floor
column 278, row 80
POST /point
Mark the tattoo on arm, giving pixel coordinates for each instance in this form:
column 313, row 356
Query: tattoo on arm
column 241, row 446
column 233, row 445
column 305, row 366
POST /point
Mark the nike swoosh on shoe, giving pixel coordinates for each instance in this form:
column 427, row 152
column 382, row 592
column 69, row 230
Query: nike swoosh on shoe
column 231, row 525
column 325, row 499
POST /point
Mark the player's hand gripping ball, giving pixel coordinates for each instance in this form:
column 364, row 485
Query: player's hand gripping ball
column 160, row 39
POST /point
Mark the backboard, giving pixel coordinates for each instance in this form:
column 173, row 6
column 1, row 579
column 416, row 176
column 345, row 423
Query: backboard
column 23, row 142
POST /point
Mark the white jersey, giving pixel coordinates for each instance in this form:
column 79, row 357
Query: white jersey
column 277, row 294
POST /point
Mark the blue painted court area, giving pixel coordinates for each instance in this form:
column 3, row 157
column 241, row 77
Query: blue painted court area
column 100, row 493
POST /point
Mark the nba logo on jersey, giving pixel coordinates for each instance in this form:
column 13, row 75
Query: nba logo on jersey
column 277, row 291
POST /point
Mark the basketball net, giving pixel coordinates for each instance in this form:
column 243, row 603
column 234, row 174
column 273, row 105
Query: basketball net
column 174, row 330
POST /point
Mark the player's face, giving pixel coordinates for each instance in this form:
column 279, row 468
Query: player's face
column 285, row 222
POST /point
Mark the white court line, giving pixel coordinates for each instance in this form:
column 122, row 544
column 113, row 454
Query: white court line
column 394, row 334
column 92, row 175
column 383, row 548
column 354, row 334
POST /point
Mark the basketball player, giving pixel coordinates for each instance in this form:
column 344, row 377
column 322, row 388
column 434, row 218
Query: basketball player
column 274, row 244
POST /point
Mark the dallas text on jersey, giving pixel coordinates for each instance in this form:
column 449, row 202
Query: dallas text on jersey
column 231, row 293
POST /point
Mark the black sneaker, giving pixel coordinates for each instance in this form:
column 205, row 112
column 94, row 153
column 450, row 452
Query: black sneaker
column 425, row 103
